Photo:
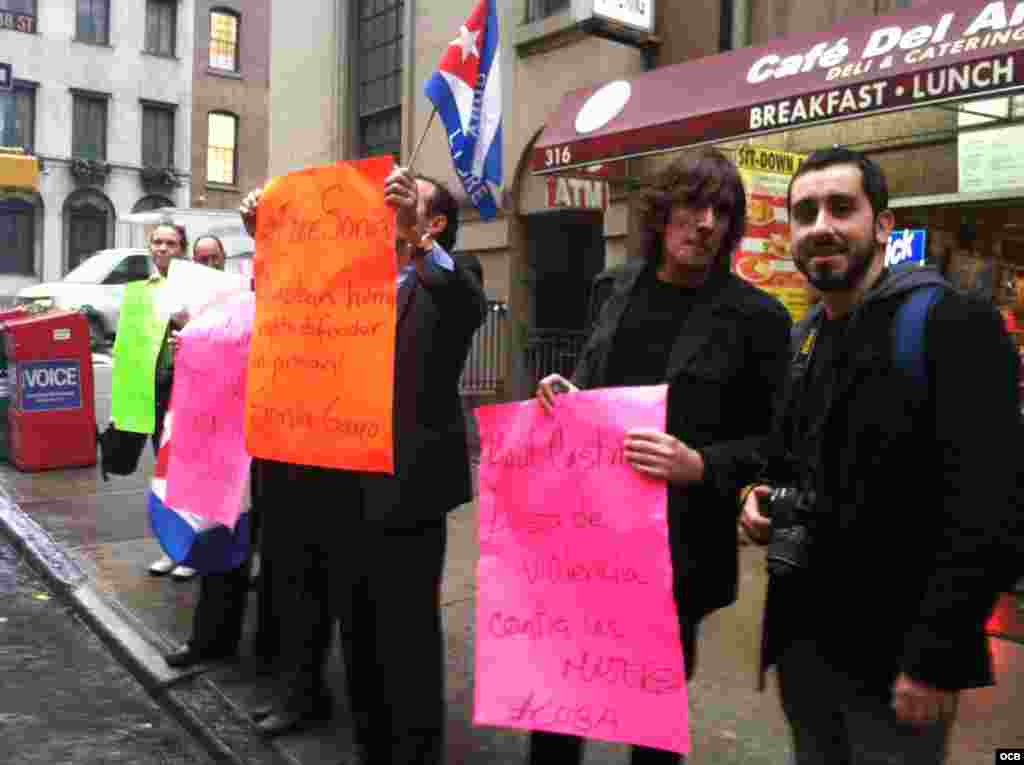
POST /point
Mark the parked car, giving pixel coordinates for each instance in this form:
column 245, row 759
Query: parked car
column 96, row 286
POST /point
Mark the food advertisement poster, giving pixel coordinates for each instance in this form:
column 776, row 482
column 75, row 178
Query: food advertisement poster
column 764, row 258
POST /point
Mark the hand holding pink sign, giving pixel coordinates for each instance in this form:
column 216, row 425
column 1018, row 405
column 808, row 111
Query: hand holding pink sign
column 209, row 465
column 576, row 624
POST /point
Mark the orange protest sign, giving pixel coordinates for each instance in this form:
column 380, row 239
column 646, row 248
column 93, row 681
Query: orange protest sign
column 321, row 366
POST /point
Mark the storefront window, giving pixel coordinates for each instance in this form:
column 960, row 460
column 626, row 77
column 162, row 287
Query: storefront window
column 988, row 156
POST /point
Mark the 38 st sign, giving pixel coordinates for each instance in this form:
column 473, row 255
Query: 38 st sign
column 18, row 22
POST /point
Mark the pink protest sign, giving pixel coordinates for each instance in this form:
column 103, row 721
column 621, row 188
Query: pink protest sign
column 209, row 465
column 576, row 623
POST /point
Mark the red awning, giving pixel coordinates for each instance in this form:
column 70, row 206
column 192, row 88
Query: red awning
column 946, row 51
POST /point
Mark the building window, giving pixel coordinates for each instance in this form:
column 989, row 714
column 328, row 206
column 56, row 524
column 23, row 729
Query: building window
column 224, row 40
column 93, row 25
column 152, row 202
column 17, row 237
column 161, row 20
column 18, row 117
column 221, row 157
column 89, row 127
column 157, row 136
column 726, row 20
column 18, row 15
column 379, row 109
column 88, row 225
column 539, row 9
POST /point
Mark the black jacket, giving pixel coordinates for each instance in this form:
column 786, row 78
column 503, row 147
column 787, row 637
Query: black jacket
column 437, row 318
column 917, row 496
column 729, row 362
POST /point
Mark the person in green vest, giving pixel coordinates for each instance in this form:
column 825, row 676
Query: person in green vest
column 167, row 242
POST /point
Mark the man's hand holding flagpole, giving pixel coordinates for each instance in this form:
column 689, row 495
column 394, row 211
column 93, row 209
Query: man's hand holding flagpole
column 416, row 151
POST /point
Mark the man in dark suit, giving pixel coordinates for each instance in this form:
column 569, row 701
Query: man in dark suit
column 384, row 546
column 390, row 566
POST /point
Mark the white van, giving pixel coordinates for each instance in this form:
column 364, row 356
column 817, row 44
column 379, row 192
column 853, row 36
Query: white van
column 226, row 225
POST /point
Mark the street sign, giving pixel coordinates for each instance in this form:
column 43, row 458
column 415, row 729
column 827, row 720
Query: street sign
column 6, row 81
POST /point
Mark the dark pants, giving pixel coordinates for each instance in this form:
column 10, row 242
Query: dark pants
column 387, row 592
column 295, row 568
column 563, row 749
column 834, row 722
column 383, row 587
column 162, row 387
column 220, row 610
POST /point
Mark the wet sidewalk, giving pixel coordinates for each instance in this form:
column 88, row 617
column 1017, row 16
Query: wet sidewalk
column 91, row 542
column 64, row 698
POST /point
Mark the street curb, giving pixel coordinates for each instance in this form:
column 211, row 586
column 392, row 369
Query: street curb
column 132, row 644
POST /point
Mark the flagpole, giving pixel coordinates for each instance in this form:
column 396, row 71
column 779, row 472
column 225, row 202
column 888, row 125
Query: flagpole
column 416, row 151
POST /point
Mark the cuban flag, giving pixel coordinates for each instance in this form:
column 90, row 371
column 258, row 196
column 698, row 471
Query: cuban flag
column 189, row 540
column 466, row 90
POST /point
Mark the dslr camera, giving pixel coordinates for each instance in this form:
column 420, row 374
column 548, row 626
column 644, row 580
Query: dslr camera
column 791, row 512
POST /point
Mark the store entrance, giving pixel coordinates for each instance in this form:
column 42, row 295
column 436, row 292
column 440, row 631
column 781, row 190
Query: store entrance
column 565, row 251
column 979, row 247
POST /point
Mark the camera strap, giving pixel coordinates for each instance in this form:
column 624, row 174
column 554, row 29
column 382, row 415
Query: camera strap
column 802, row 358
column 804, row 427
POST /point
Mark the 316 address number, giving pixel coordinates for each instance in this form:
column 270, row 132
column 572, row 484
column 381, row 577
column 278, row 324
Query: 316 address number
column 556, row 157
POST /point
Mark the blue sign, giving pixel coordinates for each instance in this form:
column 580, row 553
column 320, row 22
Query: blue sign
column 6, row 83
column 47, row 386
column 907, row 245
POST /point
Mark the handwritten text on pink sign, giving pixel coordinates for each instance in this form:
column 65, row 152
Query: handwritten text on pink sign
column 209, row 465
column 576, row 624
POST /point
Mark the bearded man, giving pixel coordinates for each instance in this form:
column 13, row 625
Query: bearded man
column 897, row 529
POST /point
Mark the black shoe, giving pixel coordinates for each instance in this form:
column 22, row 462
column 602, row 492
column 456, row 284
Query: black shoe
column 262, row 712
column 281, row 721
column 188, row 656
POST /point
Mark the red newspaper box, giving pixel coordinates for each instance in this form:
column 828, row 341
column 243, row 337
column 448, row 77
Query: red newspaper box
column 52, row 415
column 5, row 383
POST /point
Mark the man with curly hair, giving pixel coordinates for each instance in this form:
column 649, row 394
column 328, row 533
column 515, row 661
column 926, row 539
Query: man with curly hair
column 678, row 315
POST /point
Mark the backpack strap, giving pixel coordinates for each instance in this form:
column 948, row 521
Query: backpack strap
column 908, row 332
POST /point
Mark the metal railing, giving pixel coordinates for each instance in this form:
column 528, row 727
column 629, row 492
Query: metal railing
column 553, row 350
column 484, row 372
column 546, row 351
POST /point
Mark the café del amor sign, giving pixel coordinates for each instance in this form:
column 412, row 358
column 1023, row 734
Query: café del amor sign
column 947, row 50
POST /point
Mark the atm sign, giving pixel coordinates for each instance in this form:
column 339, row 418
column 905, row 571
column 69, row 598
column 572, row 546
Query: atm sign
column 50, row 385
